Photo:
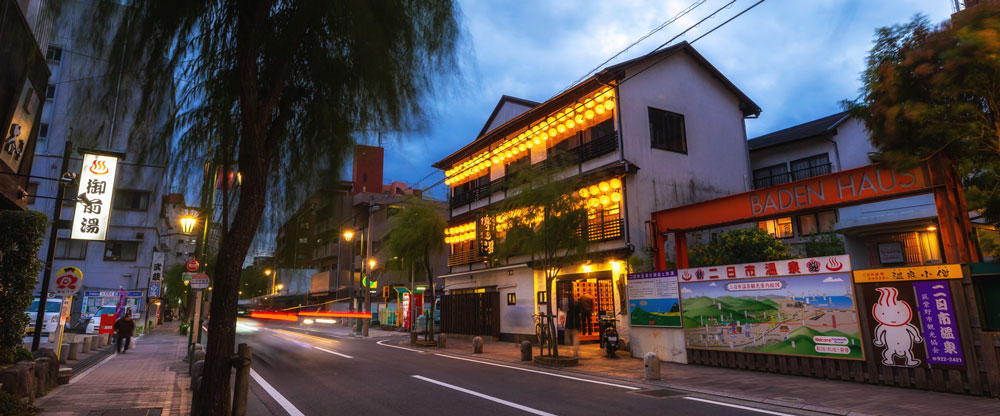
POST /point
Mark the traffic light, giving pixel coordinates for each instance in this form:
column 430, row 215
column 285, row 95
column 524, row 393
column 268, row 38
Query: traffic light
column 385, row 292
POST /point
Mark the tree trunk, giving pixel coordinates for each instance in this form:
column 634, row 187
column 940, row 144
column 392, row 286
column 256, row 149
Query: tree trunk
column 430, row 284
column 553, row 339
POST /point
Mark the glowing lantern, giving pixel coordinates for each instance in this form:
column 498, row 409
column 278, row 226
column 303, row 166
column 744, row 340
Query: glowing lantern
column 594, row 202
column 599, row 98
column 615, row 196
column 537, row 141
column 495, row 160
column 561, row 128
column 520, row 147
column 570, row 124
column 589, row 104
column 550, row 120
column 615, row 183
column 508, row 154
column 594, row 190
column 605, row 200
column 609, row 104
column 488, row 163
column 536, row 128
column 528, row 144
column 583, row 193
column 578, row 119
column 599, row 109
column 604, row 186
column 589, row 114
column 543, row 126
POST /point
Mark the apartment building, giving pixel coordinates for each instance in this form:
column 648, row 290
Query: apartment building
column 665, row 129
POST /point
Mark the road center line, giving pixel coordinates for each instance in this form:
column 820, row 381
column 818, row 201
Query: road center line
column 541, row 372
column 332, row 352
column 282, row 401
column 487, row 397
column 737, row 406
column 396, row 346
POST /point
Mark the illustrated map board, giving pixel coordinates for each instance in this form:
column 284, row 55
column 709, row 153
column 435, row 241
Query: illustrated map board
column 653, row 299
column 811, row 313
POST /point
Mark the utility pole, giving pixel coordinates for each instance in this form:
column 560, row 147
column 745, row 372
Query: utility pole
column 43, row 296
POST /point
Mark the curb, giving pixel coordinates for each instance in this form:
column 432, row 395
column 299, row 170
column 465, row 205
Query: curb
column 706, row 392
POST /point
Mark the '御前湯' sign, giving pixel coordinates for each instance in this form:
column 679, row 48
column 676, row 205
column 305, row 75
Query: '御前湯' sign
column 653, row 299
column 792, row 307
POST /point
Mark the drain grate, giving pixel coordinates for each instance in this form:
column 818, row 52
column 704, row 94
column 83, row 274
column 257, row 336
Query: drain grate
column 660, row 393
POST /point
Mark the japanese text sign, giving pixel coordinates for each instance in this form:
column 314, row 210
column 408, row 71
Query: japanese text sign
column 941, row 271
column 69, row 280
column 938, row 319
column 794, row 267
column 156, row 269
column 154, row 290
column 93, row 203
column 653, row 299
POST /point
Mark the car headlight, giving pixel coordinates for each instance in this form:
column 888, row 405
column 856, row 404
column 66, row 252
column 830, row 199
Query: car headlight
column 54, row 319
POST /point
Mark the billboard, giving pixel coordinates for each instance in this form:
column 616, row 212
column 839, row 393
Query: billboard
column 653, row 299
column 93, row 203
column 811, row 315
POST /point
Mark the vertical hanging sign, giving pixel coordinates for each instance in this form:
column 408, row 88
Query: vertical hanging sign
column 93, row 203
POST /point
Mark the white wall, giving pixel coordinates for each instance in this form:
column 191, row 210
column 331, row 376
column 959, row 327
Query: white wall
column 514, row 319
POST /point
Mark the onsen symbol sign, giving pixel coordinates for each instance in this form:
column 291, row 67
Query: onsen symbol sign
column 68, row 281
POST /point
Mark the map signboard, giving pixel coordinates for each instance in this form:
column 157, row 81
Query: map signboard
column 808, row 315
column 653, row 299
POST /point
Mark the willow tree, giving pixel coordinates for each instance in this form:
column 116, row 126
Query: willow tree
column 278, row 90
column 417, row 237
column 934, row 93
column 543, row 220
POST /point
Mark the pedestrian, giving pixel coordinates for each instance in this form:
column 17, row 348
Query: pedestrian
column 586, row 311
column 573, row 327
column 123, row 330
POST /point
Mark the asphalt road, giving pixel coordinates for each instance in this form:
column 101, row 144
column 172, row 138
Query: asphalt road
column 332, row 373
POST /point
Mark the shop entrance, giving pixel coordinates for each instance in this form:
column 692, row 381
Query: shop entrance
column 593, row 294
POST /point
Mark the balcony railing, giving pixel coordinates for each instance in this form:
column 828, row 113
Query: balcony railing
column 463, row 257
column 795, row 175
column 605, row 231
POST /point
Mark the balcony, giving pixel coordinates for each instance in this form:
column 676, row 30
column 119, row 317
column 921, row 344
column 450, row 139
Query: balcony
column 795, row 175
column 464, row 257
column 607, row 230
column 479, row 192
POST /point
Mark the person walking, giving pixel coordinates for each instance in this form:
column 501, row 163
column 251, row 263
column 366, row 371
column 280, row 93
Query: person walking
column 123, row 330
column 573, row 327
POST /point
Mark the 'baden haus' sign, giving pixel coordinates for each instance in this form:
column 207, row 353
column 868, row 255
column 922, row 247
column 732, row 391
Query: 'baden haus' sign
column 93, row 203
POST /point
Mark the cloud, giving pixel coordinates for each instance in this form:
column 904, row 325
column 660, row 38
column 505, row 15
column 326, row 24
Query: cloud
column 686, row 290
column 831, row 279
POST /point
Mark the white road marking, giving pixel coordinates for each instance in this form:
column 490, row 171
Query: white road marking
column 541, row 372
column 738, row 406
column 285, row 404
column 483, row 396
column 332, row 352
column 396, row 346
column 84, row 374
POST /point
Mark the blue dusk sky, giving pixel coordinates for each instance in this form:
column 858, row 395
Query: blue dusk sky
column 795, row 59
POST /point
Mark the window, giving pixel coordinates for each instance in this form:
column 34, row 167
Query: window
column 603, row 129
column 71, row 249
column 604, row 223
column 50, row 92
column 54, row 53
column 810, row 166
column 779, row 228
column 666, row 131
column 43, row 130
column 304, row 225
column 770, row 176
column 131, row 200
column 32, row 191
column 303, row 240
column 518, row 164
column 121, row 250
column 817, row 222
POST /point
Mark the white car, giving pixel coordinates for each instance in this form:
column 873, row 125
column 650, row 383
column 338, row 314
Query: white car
column 95, row 320
column 50, row 322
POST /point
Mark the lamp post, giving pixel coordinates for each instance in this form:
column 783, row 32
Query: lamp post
column 368, row 297
column 269, row 272
column 349, row 235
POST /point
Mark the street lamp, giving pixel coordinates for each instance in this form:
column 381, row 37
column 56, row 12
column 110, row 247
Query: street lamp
column 279, row 287
column 187, row 223
column 371, row 264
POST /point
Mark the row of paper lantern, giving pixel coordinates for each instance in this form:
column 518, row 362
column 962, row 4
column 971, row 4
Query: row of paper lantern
column 603, row 193
column 460, row 233
column 571, row 118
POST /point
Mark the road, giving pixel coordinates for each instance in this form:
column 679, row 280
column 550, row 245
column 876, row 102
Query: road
column 333, row 373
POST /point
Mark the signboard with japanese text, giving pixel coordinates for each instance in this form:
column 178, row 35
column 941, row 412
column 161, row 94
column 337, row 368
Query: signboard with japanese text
column 156, row 268
column 69, row 280
column 935, row 272
column 891, row 253
column 16, row 136
column 794, row 267
column 937, row 317
column 200, row 281
column 154, row 290
column 93, row 203
column 487, row 233
column 653, row 299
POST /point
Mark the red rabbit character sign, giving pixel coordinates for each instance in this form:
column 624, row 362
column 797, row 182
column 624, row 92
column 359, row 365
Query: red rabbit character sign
column 895, row 332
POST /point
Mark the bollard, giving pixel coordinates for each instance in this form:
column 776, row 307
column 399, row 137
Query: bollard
column 477, row 345
column 63, row 353
column 242, row 364
column 86, row 345
column 74, row 349
column 652, row 364
column 525, row 351
column 413, row 338
column 195, row 387
column 197, row 370
column 101, row 342
column 442, row 340
column 197, row 356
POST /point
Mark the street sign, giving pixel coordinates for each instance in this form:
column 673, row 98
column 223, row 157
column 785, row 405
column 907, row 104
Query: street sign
column 154, row 290
column 186, row 276
column 191, row 265
column 156, row 269
column 93, row 203
column 200, row 281
column 69, row 280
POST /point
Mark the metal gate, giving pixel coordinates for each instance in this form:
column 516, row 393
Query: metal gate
column 471, row 314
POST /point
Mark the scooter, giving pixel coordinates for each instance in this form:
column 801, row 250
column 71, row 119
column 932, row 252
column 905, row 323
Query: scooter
column 610, row 335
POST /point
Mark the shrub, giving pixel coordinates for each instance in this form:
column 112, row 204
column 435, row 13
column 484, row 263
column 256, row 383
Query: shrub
column 14, row 406
column 743, row 245
column 20, row 238
column 22, row 354
column 826, row 243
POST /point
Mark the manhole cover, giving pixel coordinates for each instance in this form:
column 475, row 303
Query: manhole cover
column 659, row 393
column 149, row 411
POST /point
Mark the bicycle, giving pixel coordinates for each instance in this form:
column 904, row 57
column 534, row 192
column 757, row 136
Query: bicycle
column 542, row 330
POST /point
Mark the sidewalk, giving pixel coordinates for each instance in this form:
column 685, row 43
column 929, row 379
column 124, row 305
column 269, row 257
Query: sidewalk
column 151, row 379
column 831, row 396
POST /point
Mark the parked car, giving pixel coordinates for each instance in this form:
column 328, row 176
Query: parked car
column 50, row 321
column 95, row 321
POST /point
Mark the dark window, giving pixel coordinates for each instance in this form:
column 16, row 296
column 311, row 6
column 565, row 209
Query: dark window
column 131, row 200
column 121, row 250
column 810, row 166
column 603, row 129
column 518, row 164
column 666, row 131
column 32, row 191
column 71, row 249
column 54, row 53
column 771, row 176
column 303, row 240
column 50, row 92
column 43, row 130
column 567, row 144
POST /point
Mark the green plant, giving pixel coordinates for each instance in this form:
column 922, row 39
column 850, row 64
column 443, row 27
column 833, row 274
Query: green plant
column 743, row 245
column 183, row 329
column 22, row 354
column 20, row 238
column 11, row 405
column 417, row 234
column 827, row 243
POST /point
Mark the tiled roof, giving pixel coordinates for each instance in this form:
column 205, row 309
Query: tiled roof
column 802, row 131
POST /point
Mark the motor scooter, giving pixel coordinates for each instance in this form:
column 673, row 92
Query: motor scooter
column 609, row 336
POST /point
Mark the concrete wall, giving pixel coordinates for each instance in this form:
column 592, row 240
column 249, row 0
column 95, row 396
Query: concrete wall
column 514, row 319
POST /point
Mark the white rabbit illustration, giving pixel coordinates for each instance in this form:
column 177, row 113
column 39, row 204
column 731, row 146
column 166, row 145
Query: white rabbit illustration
column 895, row 332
